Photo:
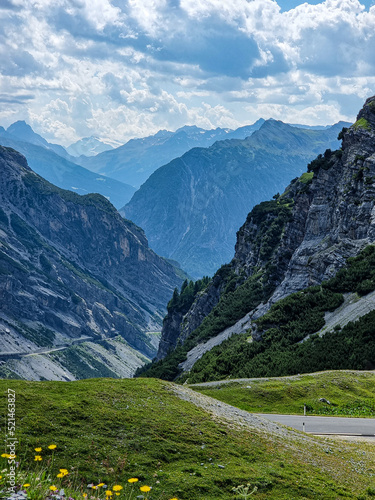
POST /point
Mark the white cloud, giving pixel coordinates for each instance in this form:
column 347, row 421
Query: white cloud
column 124, row 69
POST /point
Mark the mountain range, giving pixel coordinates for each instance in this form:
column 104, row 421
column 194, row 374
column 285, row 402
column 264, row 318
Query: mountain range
column 80, row 289
column 303, row 272
column 192, row 207
column 136, row 160
column 52, row 162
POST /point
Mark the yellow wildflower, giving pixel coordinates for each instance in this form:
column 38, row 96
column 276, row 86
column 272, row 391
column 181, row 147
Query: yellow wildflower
column 53, row 488
column 145, row 489
column 117, row 494
column 5, row 455
column 60, row 475
column 37, row 458
column 52, row 446
column 100, row 485
column 94, row 487
column 108, row 493
column 132, row 480
column 38, row 449
column 26, row 485
column 64, row 471
column 84, row 495
column 117, row 487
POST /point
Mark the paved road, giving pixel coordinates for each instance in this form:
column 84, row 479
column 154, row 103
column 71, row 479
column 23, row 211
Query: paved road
column 326, row 425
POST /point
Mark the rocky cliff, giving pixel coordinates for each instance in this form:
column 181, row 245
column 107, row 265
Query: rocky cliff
column 294, row 241
column 72, row 269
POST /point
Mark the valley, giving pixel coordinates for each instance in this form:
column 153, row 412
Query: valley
column 187, row 250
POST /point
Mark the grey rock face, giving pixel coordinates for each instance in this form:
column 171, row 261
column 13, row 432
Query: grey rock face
column 177, row 326
column 72, row 267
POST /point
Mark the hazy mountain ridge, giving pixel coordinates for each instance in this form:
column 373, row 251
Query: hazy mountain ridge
column 192, row 207
column 286, row 245
column 136, row 160
column 71, row 268
column 59, row 168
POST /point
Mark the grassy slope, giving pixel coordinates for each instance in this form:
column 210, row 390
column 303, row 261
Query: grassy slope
column 350, row 393
column 111, row 430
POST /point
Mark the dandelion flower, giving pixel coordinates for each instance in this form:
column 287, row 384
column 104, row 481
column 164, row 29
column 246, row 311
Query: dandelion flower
column 84, row 495
column 37, row 458
column 132, row 480
column 94, row 487
column 60, row 475
column 108, row 493
column 64, row 471
column 117, row 487
column 38, row 449
column 5, row 455
column 100, row 485
column 51, row 446
column 53, row 488
column 26, row 485
column 145, row 489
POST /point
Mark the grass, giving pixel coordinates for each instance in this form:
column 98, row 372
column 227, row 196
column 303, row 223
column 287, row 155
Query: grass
column 362, row 123
column 107, row 431
column 306, row 177
column 350, row 394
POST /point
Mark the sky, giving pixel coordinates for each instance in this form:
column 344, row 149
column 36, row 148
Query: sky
column 120, row 69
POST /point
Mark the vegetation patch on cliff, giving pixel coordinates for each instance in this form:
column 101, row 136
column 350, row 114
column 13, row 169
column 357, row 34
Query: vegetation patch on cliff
column 288, row 346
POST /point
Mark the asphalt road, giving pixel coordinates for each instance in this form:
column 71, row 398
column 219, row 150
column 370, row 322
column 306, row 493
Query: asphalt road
column 326, row 425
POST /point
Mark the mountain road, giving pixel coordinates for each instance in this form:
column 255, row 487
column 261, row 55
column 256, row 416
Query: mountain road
column 364, row 427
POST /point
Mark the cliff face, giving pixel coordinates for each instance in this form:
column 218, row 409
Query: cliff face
column 71, row 268
column 298, row 239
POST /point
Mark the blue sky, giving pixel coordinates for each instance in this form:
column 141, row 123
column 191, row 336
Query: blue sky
column 128, row 68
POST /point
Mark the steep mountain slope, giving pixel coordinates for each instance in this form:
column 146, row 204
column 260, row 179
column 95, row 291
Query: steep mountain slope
column 191, row 208
column 297, row 240
column 136, row 160
column 66, row 174
column 72, row 269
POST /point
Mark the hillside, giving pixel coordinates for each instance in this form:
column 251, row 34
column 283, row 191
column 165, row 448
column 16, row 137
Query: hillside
column 297, row 240
column 192, row 208
column 181, row 444
column 73, row 271
column 349, row 393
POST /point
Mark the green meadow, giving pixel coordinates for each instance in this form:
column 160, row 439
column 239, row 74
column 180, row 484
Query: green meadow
column 350, row 394
column 108, row 431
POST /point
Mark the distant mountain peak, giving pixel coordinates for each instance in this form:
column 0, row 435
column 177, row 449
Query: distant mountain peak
column 89, row 146
column 23, row 130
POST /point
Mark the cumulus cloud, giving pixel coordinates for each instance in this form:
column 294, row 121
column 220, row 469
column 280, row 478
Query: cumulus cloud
column 125, row 69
